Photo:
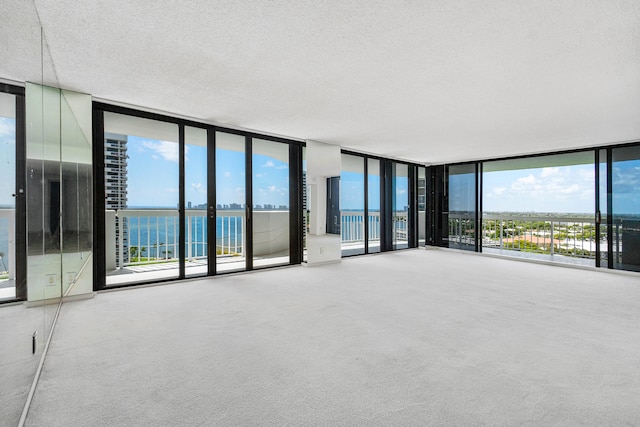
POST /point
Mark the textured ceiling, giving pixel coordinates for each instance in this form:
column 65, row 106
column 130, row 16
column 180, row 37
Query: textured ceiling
column 430, row 81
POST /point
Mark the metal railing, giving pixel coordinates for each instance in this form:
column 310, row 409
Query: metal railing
column 352, row 226
column 151, row 235
column 559, row 235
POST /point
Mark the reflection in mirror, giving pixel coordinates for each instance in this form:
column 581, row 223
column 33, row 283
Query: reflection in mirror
column 76, row 199
column 323, row 163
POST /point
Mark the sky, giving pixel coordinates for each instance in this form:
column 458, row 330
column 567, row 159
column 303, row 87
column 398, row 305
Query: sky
column 564, row 189
column 7, row 160
column 153, row 175
column 352, row 192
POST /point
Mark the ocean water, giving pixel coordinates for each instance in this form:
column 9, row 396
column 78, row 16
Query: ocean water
column 159, row 236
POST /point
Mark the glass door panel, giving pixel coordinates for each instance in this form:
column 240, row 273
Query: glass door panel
column 373, row 205
column 195, row 175
column 460, row 219
column 352, row 214
column 142, row 197
column 625, row 207
column 400, row 230
column 230, row 202
column 7, row 199
column 422, row 205
column 270, row 184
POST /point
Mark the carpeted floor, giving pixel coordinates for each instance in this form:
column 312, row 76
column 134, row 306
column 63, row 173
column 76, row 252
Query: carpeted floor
column 419, row 337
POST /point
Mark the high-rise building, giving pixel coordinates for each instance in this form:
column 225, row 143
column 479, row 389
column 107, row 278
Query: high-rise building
column 115, row 185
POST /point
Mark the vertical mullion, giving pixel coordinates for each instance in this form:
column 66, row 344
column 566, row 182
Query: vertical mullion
column 99, row 238
column 296, row 213
column 20, row 229
column 249, row 202
column 610, row 208
column 366, row 204
column 596, row 162
column 478, row 208
column 211, row 202
column 181, row 203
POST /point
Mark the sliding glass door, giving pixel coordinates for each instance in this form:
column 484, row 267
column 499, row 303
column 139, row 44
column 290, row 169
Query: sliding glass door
column 181, row 200
column 231, row 202
column 624, row 192
column 7, row 196
column 270, row 202
column 141, row 176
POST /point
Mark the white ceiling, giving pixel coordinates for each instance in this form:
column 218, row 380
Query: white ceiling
column 430, row 81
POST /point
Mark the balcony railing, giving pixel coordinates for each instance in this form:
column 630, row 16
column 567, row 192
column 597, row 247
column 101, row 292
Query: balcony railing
column 152, row 235
column 570, row 236
column 352, row 226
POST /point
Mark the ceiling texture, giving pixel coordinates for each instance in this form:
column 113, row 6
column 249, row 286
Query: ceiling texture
column 429, row 81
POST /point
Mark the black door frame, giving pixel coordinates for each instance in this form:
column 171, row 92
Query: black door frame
column 295, row 193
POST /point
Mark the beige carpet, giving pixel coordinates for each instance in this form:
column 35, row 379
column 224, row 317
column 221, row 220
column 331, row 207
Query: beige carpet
column 408, row 338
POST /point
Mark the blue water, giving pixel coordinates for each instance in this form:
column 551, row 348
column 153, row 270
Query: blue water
column 159, row 235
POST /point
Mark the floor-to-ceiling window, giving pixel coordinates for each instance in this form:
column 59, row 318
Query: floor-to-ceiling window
column 422, row 205
column 184, row 199
column 270, row 200
column 7, row 196
column 231, row 199
column 373, row 205
column 541, row 207
column 459, row 220
column 625, row 207
column 401, row 225
column 196, row 201
column 142, row 199
column 352, row 205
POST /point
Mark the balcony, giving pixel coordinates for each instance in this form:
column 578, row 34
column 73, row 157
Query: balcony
column 352, row 231
column 564, row 239
column 148, row 243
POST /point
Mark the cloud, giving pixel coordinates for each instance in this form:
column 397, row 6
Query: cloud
column 259, row 175
column 269, row 164
column 272, row 188
column 166, row 149
column 546, row 172
column 197, row 186
column 227, row 174
column 7, row 127
column 282, row 167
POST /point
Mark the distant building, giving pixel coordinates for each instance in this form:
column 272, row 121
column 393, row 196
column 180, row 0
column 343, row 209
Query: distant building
column 115, row 184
